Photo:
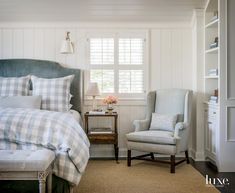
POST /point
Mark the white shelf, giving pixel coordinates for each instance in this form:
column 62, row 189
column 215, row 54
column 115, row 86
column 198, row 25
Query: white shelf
column 212, row 24
column 211, row 104
column 211, row 77
column 212, row 50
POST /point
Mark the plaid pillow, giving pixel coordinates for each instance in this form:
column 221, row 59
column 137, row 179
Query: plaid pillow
column 55, row 92
column 14, row 86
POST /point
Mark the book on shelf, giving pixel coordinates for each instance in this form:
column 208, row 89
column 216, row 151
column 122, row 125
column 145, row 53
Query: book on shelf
column 213, row 100
column 96, row 112
column 215, row 16
column 214, row 45
column 100, row 131
column 213, row 72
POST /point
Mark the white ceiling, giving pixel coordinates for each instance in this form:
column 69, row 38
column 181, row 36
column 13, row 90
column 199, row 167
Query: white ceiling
column 98, row 10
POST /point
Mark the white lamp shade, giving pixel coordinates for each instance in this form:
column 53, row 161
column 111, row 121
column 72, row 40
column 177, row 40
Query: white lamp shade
column 66, row 47
column 93, row 89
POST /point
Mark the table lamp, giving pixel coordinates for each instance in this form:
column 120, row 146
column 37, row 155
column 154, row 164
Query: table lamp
column 93, row 90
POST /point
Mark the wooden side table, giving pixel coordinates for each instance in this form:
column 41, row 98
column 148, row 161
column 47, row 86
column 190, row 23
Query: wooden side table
column 103, row 138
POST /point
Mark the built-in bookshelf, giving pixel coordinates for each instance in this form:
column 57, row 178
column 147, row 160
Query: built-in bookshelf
column 211, row 71
column 211, row 79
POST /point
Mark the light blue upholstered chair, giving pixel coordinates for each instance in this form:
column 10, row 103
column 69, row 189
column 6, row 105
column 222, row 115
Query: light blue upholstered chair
column 170, row 104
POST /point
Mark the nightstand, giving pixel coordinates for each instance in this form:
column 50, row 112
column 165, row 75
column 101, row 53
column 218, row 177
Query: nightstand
column 103, row 135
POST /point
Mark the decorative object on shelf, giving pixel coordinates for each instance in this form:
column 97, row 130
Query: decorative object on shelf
column 216, row 92
column 67, row 45
column 110, row 101
column 215, row 43
column 213, row 72
column 215, row 16
column 214, row 98
column 93, row 90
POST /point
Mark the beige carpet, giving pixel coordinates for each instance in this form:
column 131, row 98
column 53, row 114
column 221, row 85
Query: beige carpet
column 143, row 177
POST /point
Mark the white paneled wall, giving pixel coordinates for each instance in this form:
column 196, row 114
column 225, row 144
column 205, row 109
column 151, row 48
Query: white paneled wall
column 171, row 58
column 41, row 43
column 170, row 61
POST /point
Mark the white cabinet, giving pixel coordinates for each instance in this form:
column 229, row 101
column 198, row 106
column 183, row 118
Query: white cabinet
column 211, row 127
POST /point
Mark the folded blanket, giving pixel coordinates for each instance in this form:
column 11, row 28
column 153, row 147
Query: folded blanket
column 57, row 131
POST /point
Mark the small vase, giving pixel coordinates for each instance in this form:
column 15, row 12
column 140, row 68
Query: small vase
column 110, row 108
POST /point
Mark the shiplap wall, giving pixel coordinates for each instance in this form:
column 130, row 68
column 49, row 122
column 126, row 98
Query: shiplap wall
column 170, row 62
column 171, row 58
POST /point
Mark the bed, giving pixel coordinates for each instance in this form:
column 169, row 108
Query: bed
column 70, row 160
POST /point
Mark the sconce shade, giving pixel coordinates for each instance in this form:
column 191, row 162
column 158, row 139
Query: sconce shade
column 93, row 89
column 66, row 47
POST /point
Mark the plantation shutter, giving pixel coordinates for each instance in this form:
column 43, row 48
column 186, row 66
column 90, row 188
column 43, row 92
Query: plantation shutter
column 131, row 52
column 102, row 53
column 117, row 64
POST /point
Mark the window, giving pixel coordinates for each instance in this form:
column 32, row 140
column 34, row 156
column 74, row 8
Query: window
column 131, row 81
column 131, row 51
column 101, row 51
column 117, row 64
column 104, row 78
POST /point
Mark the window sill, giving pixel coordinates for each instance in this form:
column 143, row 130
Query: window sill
column 121, row 102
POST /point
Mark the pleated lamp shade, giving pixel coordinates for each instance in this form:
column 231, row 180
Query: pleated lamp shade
column 93, row 89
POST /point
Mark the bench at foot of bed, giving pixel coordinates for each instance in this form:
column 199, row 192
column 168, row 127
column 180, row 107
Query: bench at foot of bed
column 28, row 165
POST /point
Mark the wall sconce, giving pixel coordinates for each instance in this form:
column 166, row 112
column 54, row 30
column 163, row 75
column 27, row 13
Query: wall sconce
column 67, row 45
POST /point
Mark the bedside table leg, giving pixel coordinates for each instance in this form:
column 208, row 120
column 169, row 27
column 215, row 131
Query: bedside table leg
column 116, row 149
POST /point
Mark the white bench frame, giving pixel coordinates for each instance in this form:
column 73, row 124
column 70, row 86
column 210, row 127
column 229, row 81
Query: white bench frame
column 42, row 176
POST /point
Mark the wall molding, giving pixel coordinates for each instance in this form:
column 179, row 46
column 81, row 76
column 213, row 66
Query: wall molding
column 95, row 25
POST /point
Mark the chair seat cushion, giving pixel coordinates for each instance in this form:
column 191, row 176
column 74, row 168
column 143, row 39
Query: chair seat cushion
column 25, row 160
column 150, row 136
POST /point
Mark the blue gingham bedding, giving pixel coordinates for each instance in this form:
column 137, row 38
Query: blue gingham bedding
column 57, row 131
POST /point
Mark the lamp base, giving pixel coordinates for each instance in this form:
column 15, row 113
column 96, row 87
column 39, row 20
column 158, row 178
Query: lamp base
column 94, row 104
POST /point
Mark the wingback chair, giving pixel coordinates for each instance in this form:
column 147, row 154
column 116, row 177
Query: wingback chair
column 168, row 105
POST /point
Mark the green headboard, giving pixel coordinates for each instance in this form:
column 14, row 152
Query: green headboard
column 44, row 69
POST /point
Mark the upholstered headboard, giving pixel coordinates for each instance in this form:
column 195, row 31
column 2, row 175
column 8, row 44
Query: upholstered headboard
column 44, row 69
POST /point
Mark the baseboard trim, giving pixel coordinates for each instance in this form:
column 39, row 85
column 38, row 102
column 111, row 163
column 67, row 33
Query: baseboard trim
column 196, row 156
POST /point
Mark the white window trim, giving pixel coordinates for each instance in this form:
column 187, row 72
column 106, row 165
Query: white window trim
column 145, row 67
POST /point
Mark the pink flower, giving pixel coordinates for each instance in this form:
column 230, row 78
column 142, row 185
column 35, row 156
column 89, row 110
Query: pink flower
column 110, row 100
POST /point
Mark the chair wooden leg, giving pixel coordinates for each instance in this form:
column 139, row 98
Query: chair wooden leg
column 172, row 163
column 152, row 156
column 186, row 155
column 129, row 158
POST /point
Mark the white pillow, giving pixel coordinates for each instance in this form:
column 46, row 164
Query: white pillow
column 163, row 122
column 55, row 92
column 14, row 86
column 32, row 102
